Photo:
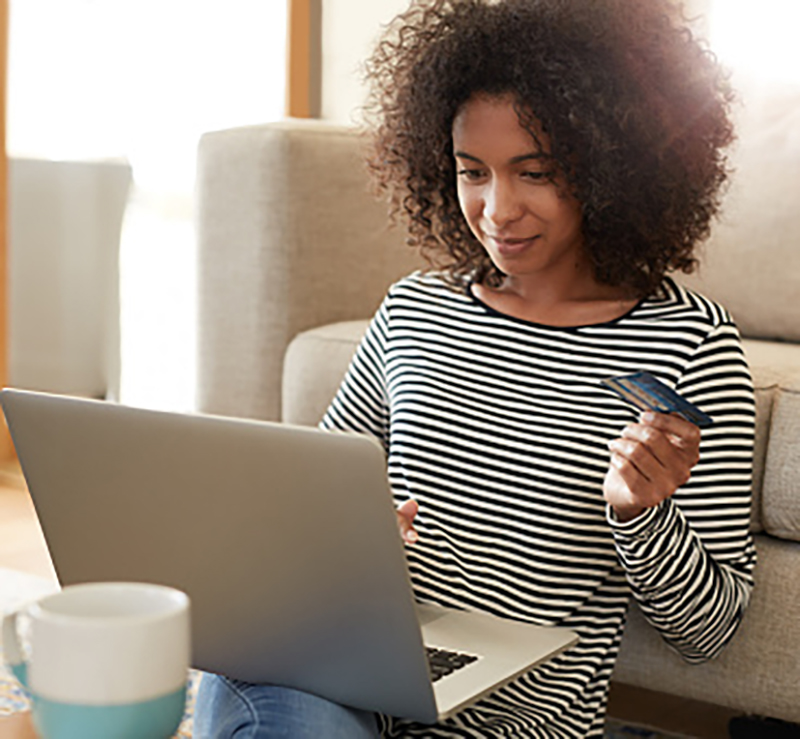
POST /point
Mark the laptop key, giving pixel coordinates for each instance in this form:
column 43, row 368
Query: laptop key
column 444, row 661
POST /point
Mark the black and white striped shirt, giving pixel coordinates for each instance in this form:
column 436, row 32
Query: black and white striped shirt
column 499, row 428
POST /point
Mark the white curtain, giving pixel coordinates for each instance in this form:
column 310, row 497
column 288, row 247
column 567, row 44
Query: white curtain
column 99, row 79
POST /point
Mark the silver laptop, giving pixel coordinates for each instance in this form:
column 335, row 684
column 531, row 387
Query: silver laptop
column 285, row 539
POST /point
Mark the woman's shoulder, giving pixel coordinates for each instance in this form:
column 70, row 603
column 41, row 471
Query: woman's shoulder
column 427, row 285
column 674, row 301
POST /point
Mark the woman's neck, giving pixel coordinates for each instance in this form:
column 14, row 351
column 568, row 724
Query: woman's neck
column 576, row 303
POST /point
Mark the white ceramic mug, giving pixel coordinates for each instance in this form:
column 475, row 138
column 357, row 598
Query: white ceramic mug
column 105, row 660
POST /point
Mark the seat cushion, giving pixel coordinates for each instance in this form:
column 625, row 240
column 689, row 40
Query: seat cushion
column 313, row 368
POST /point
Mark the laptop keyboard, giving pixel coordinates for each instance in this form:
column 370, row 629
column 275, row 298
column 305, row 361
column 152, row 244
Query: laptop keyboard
column 444, row 661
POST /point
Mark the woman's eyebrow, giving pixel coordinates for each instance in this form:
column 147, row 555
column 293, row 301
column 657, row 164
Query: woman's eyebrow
column 536, row 155
column 464, row 155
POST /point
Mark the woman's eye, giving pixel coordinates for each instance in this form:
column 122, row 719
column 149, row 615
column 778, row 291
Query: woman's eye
column 470, row 174
column 536, row 176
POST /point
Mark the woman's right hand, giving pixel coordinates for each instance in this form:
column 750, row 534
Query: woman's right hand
column 405, row 521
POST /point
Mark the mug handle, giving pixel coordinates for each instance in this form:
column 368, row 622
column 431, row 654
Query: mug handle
column 14, row 657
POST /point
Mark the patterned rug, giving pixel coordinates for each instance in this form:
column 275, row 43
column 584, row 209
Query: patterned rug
column 617, row 730
column 16, row 589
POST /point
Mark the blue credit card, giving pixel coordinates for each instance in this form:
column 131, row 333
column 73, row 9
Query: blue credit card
column 650, row 394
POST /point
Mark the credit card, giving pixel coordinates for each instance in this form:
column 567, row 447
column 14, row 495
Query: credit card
column 650, row 394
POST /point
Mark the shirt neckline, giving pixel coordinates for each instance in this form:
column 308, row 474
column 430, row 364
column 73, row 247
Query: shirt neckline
column 526, row 322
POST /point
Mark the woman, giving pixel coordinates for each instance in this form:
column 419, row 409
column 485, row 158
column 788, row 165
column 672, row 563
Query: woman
column 555, row 160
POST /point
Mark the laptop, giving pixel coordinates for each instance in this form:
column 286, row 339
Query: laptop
column 284, row 537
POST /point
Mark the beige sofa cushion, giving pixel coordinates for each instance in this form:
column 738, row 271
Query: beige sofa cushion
column 773, row 364
column 752, row 261
column 289, row 237
column 781, row 502
column 314, row 366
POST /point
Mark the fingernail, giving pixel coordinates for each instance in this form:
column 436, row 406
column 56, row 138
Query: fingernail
column 648, row 416
column 411, row 536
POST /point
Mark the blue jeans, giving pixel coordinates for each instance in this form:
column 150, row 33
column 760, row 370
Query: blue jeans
column 230, row 709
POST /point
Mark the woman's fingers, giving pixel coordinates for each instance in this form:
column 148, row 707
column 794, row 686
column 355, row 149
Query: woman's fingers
column 650, row 461
column 678, row 431
column 405, row 520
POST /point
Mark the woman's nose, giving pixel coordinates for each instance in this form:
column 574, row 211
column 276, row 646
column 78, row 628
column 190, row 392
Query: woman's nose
column 501, row 204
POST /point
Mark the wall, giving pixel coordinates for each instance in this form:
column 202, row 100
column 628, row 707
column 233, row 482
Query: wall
column 349, row 31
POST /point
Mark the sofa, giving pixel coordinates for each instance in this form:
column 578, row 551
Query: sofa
column 295, row 255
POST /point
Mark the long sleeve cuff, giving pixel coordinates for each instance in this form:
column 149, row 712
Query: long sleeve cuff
column 695, row 603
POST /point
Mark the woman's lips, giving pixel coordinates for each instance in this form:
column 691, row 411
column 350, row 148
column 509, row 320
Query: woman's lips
column 512, row 247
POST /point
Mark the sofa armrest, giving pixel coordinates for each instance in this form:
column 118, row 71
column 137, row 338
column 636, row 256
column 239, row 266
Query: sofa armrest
column 285, row 219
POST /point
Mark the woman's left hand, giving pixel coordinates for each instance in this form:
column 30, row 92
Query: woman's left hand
column 649, row 462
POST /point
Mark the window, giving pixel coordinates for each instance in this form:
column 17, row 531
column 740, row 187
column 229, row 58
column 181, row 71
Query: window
column 757, row 39
column 143, row 80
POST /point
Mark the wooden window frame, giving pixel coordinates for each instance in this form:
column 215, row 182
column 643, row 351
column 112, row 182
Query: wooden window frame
column 6, row 447
column 303, row 58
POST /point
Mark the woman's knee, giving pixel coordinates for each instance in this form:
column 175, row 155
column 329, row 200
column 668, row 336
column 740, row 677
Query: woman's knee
column 232, row 709
column 221, row 711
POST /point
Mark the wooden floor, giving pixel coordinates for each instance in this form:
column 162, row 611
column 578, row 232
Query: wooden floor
column 22, row 548
column 22, row 545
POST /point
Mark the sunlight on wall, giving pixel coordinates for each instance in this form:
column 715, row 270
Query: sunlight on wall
column 143, row 80
column 758, row 38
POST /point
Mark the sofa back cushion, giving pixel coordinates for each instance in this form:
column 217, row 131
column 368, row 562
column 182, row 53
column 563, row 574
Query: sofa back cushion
column 774, row 365
column 781, row 502
column 751, row 263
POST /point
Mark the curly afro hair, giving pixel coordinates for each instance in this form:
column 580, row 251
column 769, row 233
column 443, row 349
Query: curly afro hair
column 636, row 109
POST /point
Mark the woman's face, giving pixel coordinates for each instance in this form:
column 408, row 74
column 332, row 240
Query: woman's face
column 515, row 203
